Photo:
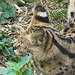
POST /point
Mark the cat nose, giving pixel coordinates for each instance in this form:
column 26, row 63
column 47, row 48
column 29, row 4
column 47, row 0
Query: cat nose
column 14, row 48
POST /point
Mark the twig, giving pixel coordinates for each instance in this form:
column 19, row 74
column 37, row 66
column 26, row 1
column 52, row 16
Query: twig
column 3, row 64
column 19, row 9
column 26, row 11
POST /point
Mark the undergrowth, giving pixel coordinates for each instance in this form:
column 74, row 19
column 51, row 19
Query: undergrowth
column 6, row 46
column 15, row 68
column 59, row 16
column 8, row 13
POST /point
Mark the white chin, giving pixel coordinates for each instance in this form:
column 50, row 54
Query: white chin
column 16, row 52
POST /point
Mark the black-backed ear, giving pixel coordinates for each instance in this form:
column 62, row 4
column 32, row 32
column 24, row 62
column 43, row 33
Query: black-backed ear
column 72, row 13
column 40, row 15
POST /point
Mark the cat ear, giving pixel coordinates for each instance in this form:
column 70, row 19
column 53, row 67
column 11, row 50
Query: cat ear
column 72, row 13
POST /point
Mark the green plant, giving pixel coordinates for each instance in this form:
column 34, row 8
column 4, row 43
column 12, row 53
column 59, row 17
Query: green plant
column 41, row 73
column 31, row 1
column 15, row 68
column 8, row 12
column 57, row 1
column 59, row 18
column 6, row 45
column 26, row 2
column 12, row 28
column 61, row 14
column 59, row 26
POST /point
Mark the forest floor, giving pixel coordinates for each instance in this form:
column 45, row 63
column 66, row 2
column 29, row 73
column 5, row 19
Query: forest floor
column 57, row 13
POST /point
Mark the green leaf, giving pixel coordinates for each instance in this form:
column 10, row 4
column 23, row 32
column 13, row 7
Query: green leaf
column 24, row 60
column 4, row 71
column 0, row 35
column 3, row 6
column 8, row 51
column 29, row 1
column 12, row 11
column 11, row 51
column 8, row 12
column 59, row 26
column 28, row 72
column 11, row 72
column 4, row 40
column 12, row 64
column 58, row 1
column 3, row 21
column 1, row 48
column 1, row 42
column 9, row 43
column 41, row 74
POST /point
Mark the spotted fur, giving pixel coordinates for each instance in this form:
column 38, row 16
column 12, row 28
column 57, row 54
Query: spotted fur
column 52, row 53
column 69, row 30
column 71, row 8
